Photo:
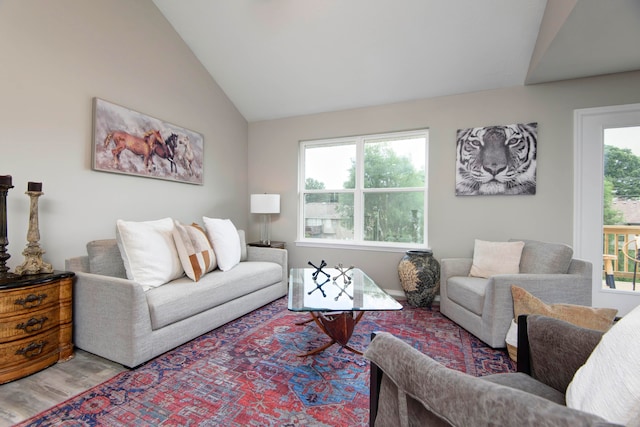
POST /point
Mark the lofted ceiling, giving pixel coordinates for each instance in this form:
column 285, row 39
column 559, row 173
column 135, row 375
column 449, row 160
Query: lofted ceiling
column 284, row 58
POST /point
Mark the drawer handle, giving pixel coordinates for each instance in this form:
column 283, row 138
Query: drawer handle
column 32, row 350
column 31, row 300
column 33, row 324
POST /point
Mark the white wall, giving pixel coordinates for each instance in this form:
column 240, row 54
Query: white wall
column 55, row 57
column 454, row 222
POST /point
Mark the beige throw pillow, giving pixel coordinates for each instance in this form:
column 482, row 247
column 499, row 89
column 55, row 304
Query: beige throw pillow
column 491, row 258
column 599, row 319
column 194, row 249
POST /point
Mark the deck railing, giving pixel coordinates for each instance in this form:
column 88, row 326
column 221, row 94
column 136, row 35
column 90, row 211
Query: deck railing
column 616, row 239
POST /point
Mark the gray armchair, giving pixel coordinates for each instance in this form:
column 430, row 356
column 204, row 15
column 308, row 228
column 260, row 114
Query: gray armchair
column 408, row 388
column 484, row 307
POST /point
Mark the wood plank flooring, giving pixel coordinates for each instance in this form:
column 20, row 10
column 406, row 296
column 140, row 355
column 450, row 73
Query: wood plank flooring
column 31, row 395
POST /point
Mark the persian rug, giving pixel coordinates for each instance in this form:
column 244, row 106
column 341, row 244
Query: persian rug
column 248, row 373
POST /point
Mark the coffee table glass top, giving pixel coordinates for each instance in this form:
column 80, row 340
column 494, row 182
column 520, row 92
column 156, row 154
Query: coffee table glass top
column 335, row 293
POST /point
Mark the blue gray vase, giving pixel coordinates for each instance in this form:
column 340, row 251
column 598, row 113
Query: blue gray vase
column 419, row 275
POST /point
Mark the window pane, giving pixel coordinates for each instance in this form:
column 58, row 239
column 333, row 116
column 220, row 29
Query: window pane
column 394, row 163
column 328, row 216
column 330, row 167
column 394, row 217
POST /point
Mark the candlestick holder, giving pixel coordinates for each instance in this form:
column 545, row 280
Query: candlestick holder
column 33, row 263
column 5, row 185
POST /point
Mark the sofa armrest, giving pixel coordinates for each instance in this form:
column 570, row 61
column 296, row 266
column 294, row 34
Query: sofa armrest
column 552, row 350
column 452, row 267
column 279, row 256
column 110, row 314
column 417, row 390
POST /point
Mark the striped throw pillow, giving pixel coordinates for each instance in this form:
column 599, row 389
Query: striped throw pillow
column 194, row 249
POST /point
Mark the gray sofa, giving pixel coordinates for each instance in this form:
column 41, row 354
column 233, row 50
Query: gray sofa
column 408, row 388
column 115, row 319
column 484, row 306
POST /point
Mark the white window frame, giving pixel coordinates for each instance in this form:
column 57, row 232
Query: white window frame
column 358, row 241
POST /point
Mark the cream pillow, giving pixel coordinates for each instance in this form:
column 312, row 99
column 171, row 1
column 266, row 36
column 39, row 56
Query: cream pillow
column 148, row 251
column 608, row 384
column 194, row 249
column 491, row 258
column 225, row 240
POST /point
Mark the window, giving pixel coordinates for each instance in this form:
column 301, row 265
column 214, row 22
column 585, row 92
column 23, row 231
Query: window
column 367, row 190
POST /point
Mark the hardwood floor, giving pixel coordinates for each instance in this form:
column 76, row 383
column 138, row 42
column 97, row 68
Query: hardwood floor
column 31, row 395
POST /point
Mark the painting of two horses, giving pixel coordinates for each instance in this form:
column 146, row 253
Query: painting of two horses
column 128, row 142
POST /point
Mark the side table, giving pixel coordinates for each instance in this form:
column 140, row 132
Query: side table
column 35, row 323
column 274, row 244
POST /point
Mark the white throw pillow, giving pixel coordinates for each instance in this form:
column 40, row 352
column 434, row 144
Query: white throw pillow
column 225, row 240
column 608, row 384
column 148, row 251
column 194, row 249
column 491, row 258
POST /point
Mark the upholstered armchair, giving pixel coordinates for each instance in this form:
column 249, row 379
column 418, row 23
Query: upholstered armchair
column 408, row 388
column 484, row 305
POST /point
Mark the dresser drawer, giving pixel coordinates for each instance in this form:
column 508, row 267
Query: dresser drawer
column 25, row 300
column 30, row 349
column 29, row 324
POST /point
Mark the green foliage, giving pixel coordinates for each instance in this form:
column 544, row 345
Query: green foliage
column 622, row 168
column 390, row 216
column 611, row 216
column 314, row 184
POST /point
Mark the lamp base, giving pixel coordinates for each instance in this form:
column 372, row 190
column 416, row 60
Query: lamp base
column 265, row 230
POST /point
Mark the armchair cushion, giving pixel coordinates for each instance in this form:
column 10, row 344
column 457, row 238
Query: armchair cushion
column 491, row 258
column 557, row 349
column 545, row 258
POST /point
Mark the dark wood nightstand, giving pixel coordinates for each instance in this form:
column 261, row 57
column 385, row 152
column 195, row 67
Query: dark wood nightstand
column 35, row 323
column 274, row 244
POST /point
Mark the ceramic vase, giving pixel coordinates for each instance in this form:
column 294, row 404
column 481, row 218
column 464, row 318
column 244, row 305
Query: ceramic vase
column 419, row 275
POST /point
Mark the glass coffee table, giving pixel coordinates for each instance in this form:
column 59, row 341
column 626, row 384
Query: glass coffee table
column 336, row 301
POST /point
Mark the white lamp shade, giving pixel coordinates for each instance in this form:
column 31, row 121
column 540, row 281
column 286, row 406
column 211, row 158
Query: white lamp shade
column 265, row 203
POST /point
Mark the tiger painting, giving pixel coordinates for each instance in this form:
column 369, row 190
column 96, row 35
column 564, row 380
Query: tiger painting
column 496, row 160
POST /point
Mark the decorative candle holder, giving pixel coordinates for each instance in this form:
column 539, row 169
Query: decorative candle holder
column 5, row 185
column 33, row 263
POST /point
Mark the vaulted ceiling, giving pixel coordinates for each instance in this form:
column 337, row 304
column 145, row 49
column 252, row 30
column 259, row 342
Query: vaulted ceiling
column 283, row 58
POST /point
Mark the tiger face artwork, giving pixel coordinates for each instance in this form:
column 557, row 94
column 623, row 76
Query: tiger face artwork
column 496, row 160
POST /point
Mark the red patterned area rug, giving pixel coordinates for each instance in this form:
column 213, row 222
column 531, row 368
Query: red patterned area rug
column 247, row 373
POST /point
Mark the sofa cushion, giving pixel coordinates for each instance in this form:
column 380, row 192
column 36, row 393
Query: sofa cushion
column 608, row 384
column 491, row 258
column 148, row 251
column 180, row 299
column 105, row 258
column 545, row 258
column 468, row 292
column 194, row 249
column 225, row 240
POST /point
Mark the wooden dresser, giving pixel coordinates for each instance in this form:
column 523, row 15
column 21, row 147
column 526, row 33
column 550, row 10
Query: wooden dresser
column 35, row 323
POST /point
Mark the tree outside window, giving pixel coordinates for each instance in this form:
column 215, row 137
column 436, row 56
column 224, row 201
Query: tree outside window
column 376, row 195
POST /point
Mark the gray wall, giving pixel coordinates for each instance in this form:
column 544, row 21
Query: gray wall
column 454, row 222
column 55, row 56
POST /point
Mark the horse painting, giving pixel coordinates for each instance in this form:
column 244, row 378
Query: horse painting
column 184, row 153
column 140, row 146
column 167, row 150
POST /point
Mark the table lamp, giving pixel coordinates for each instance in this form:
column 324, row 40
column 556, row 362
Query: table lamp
column 265, row 204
